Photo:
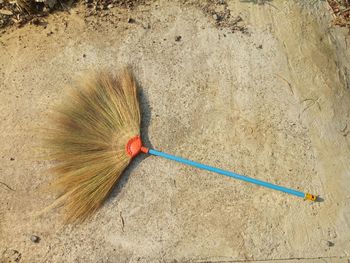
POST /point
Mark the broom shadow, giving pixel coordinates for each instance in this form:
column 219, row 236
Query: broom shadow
column 146, row 114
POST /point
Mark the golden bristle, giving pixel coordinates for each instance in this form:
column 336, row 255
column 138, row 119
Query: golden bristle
column 87, row 145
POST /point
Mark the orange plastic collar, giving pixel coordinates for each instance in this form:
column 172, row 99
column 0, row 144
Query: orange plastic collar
column 134, row 147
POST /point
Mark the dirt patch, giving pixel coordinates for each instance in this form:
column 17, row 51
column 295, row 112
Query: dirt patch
column 341, row 11
column 21, row 12
column 218, row 11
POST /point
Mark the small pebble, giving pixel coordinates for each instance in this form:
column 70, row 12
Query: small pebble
column 216, row 17
column 260, row 46
column 110, row 6
column 35, row 239
column 178, row 38
column 84, row 55
column 131, row 20
column 12, row 159
column 330, row 244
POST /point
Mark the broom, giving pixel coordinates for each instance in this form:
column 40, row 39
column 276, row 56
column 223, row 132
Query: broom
column 96, row 135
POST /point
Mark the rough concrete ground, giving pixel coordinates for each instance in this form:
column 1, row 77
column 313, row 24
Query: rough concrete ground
column 271, row 103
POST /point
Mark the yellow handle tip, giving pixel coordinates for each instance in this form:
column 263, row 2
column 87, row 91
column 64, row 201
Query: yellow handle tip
column 310, row 197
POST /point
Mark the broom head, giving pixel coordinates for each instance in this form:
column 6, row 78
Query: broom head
column 96, row 134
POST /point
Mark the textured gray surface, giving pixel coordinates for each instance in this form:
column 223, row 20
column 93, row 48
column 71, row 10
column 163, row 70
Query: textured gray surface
column 279, row 112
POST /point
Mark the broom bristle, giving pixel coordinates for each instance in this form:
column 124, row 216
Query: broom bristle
column 92, row 128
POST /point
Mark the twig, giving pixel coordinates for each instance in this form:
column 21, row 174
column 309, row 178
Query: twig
column 123, row 223
column 289, row 85
column 313, row 102
column 345, row 133
column 344, row 129
column 7, row 186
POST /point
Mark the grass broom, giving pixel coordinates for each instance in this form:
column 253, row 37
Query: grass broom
column 96, row 135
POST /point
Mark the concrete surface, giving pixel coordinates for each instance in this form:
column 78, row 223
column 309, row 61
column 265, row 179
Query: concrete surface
column 271, row 103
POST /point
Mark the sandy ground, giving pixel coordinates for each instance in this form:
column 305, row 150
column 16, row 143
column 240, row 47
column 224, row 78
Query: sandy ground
column 272, row 103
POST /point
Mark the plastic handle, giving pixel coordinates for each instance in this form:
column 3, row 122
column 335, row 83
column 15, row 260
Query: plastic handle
column 231, row 174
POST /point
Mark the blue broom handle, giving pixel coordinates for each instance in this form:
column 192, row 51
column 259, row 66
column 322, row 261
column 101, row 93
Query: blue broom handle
column 233, row 175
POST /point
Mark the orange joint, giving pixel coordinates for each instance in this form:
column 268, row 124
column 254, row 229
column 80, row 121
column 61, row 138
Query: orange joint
column 144, row 149
column 133, row 147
